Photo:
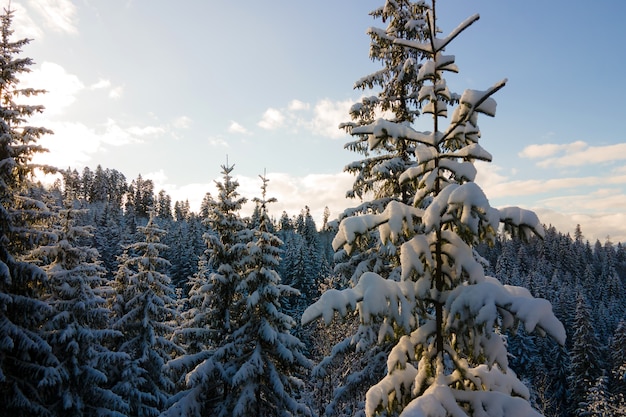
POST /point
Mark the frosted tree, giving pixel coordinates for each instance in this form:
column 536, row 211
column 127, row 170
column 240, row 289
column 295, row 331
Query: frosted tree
column 598, row 402
column 226, row 242
column 443, row 315
column 107, row 237
column 617, row 350
column 145, row 314
column 254, row 371
column 184, row 239
column 377, row 174
column 208, row 318
column 78, row 330
column 262, row 358
column 28, row 367
column 211, row 309
column 586, row 357
column 377, row 177
column 295, row 270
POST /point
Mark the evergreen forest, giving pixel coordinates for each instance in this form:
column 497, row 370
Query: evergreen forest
column 422, row 300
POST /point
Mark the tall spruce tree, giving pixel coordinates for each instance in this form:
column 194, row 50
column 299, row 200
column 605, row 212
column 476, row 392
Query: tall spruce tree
column 145, row 314
column 78, row 330
column 28, row 367
column 226, row 243
column 377, row 177
column 586, row 358
column 617, row 351
column 598, row 402
column 262, row 359
column 444, row 317
column 212, row 310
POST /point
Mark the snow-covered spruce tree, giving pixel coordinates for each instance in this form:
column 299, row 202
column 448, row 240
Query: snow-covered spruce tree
column 144, row 314
column 377, row 178
column 599, row 402
column 377, row 174
column 262, row 359
column 586, row 357
column 107, row 237
column 445, row 317
column 226, row 242
column 78, row 329
column 211, row 308
column 27, row 364
column 617, row 351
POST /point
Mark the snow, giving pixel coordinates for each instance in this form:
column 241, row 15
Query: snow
column 471, row 152
column 375, row 295
column 395, row 219
column 475, row 306
column 479, row 101
column 438, row 44
column 524, row 219
column 439, row 400
column 461, row 170
column 381, row 129
column 484, row 299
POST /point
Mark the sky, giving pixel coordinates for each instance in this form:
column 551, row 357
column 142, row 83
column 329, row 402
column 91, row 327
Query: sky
column 174, row 90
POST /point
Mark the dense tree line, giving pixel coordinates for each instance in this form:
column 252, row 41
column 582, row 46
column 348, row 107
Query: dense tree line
column 116, row 301
column 584, row 281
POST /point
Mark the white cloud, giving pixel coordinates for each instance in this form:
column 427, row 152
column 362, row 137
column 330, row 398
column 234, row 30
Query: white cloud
column 594, row 226
column 218, row 141
column 574, row 154
column 104, row 84
column 194, row 193
column 296, row 105
column 603, row 200
column 600, row 212
column 158, row 178
column 497, row 185
column 112, row 133
column 116, row 92
column 59, row 15
column 182, row 122
column 61, row 87
column 23, row 23
column 327, row 117
column 73, row 144
column 322, row 120
column 272, row 119
column 237, row 128
column 142, row 131
column 101, row 83
column 549, row 149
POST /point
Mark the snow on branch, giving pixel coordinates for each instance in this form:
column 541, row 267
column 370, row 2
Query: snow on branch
column 376, row 296
column 427, row 174
column 470, row 103
column 522, row 222
column 382, row 129
column 481, row 301
column 440, row 400
column 472, row 151
column 438, row 44
column 393, row 222
column 470, row 198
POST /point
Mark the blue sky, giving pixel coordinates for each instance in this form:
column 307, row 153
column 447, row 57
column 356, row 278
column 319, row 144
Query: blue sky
column 169, row 90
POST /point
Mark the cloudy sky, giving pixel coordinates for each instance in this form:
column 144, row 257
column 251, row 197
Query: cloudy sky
column 170, row 90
